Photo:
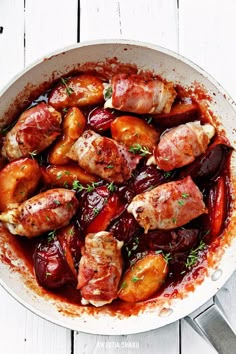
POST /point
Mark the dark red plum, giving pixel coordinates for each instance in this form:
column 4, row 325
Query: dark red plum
column 51, row 268
column 100, row 119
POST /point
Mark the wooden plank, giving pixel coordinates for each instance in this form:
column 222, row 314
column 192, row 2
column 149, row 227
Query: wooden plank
column 153, row 21
column 49, row 25
column 23, row 332
column 208, row 39
column 11, row 39
column 152, row 342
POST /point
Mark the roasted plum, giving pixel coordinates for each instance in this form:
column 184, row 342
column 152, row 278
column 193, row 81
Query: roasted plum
column 51, row 267
column 100, row 119
column 207, row 167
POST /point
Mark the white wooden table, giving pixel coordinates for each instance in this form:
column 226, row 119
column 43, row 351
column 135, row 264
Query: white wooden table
column 202, row 30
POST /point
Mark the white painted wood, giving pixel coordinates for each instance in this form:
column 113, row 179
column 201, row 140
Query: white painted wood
column 25, row 333
column 153, row 342
column 11, row 39
column 20, row 330
column 49, row 25
column 153, row 21
column 207, row 35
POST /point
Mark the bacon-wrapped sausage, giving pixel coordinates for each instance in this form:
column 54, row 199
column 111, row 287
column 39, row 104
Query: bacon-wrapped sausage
column 46, row 211
column 34, row 131
column 168, row 206
column 181, row 145
column 131, row 93
column 103, row 157
column 100, row 269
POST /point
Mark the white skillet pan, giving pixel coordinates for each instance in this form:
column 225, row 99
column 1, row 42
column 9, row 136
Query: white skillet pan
column 20, row 283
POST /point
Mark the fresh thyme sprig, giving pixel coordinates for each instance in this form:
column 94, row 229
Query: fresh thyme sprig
column 193, row 255
column 139, row 150
column 77, row 186
column 69, row 90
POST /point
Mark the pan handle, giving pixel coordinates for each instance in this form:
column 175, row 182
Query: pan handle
column 212, row 324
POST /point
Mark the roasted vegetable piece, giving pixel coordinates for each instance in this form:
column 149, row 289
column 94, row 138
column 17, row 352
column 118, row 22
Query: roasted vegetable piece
column 98, row 208
column 34, row 131
column 50, row 264
column 132, row 93
column 65, row 176
column 100, row 119
column 124, row 227
column 103, row 157
column 180, row 113
column 177, row 240
column 181, row 145
column 144, row 278
column 206, row 168
column 150, row 177
column 217, row 205
column 71, row 243
column 130, row 131
column 100, row 269
column 81, row 90
column 46, row 211
column 168, row 206
column 18, row 180
column 73, row 126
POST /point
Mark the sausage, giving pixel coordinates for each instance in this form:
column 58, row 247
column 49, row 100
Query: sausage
column 103, row 157
column 181, row 145
column 34, row 131
column 131, row 93
column 168, row 206
column 100, row 269
column 46, row 211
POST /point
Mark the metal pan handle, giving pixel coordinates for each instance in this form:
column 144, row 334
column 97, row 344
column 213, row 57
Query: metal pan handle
column 212, row 324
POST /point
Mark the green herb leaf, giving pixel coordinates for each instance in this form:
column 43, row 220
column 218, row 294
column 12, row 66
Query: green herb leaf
column 139, row 150
column 111, row 187
column 185, row 195
column 110, row 166
column 57, row 202
column 193, row 255
column 96, row 211
column 69, row 90
column 108, row 93
column 135, row 279
column 181, row 202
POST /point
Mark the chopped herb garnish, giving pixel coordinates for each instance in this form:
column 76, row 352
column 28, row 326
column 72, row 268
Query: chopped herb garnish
column 108, row 93
column 149, row 121
column 181, row 202
column 96, row 211
column 111, row 187
column 33, row 153
column 65, row 110
column 56, row 202
column 185, row 195
column 67, row 173
column 139, row 150
column 174, row 220
column 110, row 166
column 123, row 285
column 135, row 279
column 23, row 167
column 76, row 185
column 51, row 235
column 167, row 257
column 59, row 175
column 206, row 232
column 193, row 255
column 69, row 90
column 167, row 174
